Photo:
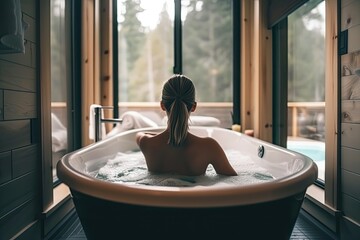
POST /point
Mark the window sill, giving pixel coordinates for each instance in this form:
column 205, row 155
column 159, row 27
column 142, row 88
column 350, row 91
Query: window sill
column 314, row 204
column 316, row 194
column 62, row 205
column 61, row 193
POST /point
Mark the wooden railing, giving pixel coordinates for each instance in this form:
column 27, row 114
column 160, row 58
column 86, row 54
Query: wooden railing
column 311, row 115
column 222, row 111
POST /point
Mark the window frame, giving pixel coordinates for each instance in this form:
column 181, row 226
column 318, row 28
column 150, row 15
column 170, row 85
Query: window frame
column 280, row 86
column 177, row 68
column 71, row 30
column 330, row 188
column 73, row 19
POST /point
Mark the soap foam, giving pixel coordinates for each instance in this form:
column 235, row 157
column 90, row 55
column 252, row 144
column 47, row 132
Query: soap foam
column 131, row 168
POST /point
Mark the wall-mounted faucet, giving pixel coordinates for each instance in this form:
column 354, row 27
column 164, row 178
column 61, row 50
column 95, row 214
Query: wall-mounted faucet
column 99, row 119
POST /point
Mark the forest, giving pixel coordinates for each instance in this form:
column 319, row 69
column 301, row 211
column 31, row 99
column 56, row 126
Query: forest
column 146, row 54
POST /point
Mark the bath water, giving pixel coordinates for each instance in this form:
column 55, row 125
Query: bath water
column 131, row 168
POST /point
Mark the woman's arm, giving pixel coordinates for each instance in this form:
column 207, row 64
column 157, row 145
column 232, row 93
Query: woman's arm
column 220, row 161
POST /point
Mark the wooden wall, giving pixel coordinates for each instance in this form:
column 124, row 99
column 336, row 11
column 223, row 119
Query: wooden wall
column 20, row 161
column 350, row 121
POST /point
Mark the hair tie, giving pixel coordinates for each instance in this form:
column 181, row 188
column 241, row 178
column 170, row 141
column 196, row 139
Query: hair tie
column 180, row 98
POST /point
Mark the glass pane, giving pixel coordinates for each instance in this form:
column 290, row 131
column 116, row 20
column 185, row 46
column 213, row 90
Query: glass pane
column 306, row 82
column 58, row 83
column 145, row 48
column 207, row 54
column 207, row 48
column 146, row 56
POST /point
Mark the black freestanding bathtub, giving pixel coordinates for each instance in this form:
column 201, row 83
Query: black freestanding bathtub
column 110, row 210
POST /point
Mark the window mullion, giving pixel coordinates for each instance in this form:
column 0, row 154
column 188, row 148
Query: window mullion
column 236, row 62
column 177, row 38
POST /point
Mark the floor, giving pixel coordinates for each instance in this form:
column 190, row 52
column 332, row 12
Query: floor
column 305, row 229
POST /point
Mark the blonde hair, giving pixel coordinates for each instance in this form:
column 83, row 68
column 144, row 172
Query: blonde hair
column 178, row 98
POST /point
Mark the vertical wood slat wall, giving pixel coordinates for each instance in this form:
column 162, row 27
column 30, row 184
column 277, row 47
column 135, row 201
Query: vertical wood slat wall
column 106, row 53
column 20, row 161
column 256, row 70
column 350, row 122
column 90, row 63
column 96, row 60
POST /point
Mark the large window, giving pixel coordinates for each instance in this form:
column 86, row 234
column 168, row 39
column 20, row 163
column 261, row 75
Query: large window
column 207, row 48
column 59, row 82
column 162, row 37
column 306, row 82
column 65, row 78
column 145, row 48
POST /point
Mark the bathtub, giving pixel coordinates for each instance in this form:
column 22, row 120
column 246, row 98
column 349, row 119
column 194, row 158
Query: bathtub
column 256, row 211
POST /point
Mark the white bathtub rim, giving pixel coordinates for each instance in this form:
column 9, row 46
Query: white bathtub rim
column 207, row 196
column 187, row 196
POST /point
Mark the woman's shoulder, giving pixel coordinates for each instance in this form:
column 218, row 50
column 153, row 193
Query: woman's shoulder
column 148, row 138
column 142, row 137
column 207, row 141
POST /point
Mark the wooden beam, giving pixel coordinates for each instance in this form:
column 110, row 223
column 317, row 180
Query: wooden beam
column 106, row 53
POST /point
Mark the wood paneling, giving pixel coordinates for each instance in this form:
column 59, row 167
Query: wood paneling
column 23, row 215
column 350, row 184
column 350, row 111
column 17, row 192
column 30, row 33
column 24, row 160
column 21, row 58
column 350, row 127
column 344, row 3
column 350, row 87
column 350, row 135
column 349, row 63
column 18, row 134
column 19, row 105
column 28, row 7
column 20, row 163
column 351, row 207
column 33, row 55
column 1, row 104
column 27, row 59
column 32, row 231
column 350, row 15
column 353, row 38
column 350, row 230
column 350, row 159
column 5, row 167
column 17, row 77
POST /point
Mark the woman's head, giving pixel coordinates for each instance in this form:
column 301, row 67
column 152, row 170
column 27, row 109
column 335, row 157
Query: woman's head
column 178, row 100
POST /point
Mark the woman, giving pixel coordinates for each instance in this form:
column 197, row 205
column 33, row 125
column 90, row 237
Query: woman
column 175, row 150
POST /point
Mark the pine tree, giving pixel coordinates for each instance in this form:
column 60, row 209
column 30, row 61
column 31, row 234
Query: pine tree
column 306, row 55
column 131, row 42
column 207, row 49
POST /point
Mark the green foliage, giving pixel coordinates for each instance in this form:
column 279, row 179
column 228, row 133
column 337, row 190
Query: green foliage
column 146, row 56
column 132, row 31
column 306, row 55
column 59, row 62
column 207, row 49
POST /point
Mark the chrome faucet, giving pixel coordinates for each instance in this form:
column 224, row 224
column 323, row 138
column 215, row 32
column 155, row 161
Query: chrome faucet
column 99, row 119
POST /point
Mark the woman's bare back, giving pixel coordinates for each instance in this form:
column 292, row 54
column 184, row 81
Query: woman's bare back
column 192, row 158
